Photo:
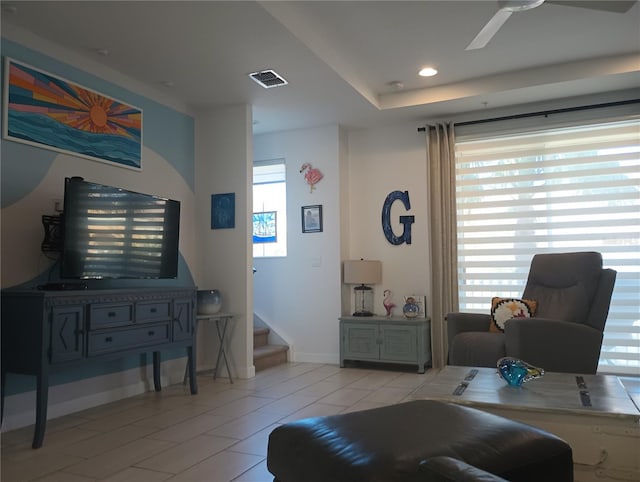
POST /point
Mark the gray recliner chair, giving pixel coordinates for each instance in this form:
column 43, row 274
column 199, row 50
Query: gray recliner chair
column 573, row 294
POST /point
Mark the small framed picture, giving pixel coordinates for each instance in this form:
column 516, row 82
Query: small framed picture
column 265, row 227
column 312, row 219
column 223, row 211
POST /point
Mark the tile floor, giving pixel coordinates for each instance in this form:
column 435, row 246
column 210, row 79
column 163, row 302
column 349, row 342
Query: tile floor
column 219, row 435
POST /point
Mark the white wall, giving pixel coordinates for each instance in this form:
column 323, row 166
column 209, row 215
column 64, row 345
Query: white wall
column 224, row 165
column 383, row 160
column 301, row 301
column 299, row 296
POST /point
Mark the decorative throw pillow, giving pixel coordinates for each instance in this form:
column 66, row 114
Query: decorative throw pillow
column 503, row 309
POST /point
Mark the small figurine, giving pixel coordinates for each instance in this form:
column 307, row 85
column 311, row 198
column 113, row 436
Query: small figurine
column 388, row 304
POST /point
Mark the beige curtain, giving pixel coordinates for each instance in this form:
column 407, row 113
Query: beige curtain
column 441, row 183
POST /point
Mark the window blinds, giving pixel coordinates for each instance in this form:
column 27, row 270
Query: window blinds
column 268, row 172
column 553, row 190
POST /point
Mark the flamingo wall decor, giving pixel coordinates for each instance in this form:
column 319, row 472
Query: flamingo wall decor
column 312, row 176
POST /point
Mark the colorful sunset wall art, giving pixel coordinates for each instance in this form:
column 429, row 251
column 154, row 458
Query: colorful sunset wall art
column 53, row 113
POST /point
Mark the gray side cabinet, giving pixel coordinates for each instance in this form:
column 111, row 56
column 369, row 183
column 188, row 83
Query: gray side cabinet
column 386, row 340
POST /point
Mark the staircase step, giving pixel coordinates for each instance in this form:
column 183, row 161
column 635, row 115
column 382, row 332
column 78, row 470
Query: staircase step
column 269, row 355
column 260, row 337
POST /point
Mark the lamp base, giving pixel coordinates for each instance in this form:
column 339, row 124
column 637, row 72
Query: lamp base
column 364, row 300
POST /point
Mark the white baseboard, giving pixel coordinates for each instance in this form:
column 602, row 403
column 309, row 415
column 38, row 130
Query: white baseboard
column 247, row 372
column 67, row 398
column 327, row 358
column 239, row 372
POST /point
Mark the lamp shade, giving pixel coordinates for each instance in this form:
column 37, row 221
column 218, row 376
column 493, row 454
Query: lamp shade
column 362, row 272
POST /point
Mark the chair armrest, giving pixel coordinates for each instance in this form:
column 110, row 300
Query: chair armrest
column 448, row 469
column 556, row 346
column 462, row 322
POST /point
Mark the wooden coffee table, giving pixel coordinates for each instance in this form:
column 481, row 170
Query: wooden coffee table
column 593, row 413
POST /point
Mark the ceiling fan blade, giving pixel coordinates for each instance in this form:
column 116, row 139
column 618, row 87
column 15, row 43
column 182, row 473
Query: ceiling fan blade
column 618, row 6
column 489, row 30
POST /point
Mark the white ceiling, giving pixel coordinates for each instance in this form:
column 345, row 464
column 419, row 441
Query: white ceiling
column 339, row 57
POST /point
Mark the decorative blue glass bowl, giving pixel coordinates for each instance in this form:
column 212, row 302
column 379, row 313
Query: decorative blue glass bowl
column 516, row 372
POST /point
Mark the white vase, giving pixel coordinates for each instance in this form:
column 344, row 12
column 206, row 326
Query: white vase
column 209, row 302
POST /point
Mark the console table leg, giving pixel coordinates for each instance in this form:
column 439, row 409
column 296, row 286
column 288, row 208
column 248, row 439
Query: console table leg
column 191, row 366
column 222, row 332
column 42, row 395
column 156, row 371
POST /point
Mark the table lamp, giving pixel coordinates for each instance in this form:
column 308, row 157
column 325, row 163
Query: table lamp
column 363, row 273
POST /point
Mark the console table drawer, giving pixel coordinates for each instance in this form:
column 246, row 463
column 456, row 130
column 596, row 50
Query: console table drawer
column 105, row 315
column 114, row 341
column 155, row 311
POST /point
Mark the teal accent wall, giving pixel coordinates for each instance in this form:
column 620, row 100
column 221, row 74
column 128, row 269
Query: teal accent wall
column 168, row 132
column 164, row 130
column 21, row 169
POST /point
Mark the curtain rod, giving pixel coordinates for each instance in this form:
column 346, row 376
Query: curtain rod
column 544, row 113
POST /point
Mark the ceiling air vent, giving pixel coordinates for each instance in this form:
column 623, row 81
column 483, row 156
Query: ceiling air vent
column 268, row 79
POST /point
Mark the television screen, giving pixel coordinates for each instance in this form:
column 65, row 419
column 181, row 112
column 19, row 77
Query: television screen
column 110, row 232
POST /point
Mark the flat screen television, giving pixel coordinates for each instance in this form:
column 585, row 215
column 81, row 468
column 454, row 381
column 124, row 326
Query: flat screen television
column 112, row 233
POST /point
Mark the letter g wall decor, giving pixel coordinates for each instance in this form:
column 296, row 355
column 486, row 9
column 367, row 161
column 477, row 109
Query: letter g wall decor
column 406, row 221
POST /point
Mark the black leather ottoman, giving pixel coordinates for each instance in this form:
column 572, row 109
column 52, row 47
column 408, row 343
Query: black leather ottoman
column 387, row 444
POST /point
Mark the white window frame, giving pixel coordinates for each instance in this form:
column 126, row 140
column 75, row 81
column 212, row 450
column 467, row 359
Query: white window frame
column 274, row 173
column 504, row 173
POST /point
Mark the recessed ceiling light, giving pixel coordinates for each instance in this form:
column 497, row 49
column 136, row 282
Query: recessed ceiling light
column 395, row 85
column 427, row 72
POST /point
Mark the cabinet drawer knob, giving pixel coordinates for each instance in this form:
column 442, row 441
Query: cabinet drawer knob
column 151, row 332
column 153, row 310
column 111, row 314
column 108, row 339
